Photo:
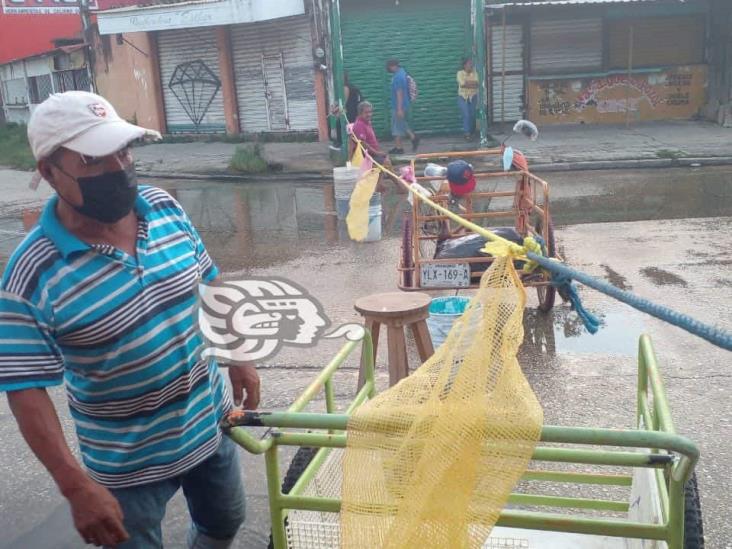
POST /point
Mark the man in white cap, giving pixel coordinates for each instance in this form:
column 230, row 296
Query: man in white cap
column 101, row 295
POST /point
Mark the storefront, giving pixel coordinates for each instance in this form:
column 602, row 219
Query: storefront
column 606, row 63
column 430, row 39
column 222, row 66
column 275, row 75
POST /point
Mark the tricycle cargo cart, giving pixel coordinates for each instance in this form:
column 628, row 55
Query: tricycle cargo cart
column 652, row 465
column 518, row 196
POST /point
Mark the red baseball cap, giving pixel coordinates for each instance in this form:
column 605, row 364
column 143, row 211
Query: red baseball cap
column 461, row 177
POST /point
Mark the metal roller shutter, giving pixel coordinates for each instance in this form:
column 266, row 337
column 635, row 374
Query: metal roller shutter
column 566, row 46
column 273, row 67
column 429, row 37
column 657, row 42
column 507, row 105
column 193, row 101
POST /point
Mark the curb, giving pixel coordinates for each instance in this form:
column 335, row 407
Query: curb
column 584, row 165
column 285, row 177
column 641, row 163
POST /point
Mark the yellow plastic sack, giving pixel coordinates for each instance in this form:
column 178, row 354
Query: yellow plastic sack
column 430, row 462
column 358, row 213
column 357, row 157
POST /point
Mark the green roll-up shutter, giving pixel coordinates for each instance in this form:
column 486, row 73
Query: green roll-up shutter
column 429, row 38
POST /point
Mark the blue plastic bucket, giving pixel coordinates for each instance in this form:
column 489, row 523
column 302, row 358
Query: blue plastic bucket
column 444, row 311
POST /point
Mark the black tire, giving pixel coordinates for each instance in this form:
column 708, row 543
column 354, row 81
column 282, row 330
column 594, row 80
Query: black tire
column 693, row 526
column 407, row 251
column 547, row 294
column 299, row 463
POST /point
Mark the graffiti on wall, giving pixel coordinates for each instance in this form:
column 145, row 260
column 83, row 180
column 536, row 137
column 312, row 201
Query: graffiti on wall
column 598, row 94
column 194, row 85
column 677, row 93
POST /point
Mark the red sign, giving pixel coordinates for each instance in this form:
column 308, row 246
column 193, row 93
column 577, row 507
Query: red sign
column 43, row 6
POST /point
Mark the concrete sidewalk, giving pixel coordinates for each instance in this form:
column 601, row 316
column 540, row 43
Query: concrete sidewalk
column 658, row 144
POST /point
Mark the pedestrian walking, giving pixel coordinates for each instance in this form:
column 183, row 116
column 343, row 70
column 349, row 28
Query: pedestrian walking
column 101, row 296
column 352, row 97
column 401, row 103
column 467, row 80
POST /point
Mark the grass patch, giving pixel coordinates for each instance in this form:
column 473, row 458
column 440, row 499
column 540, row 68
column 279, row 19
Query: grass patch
column 248, row 159
column 14, row 149
column 670, row 154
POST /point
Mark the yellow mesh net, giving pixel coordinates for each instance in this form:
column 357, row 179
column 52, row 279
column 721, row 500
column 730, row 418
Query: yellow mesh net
column 431, row 461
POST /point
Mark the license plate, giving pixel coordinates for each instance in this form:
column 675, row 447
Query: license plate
column 445, row 275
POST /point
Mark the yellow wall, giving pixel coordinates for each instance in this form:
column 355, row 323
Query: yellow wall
column 675, row 93
column 128, row 78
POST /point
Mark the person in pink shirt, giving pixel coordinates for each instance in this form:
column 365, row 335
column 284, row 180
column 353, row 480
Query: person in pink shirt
column 364, row 131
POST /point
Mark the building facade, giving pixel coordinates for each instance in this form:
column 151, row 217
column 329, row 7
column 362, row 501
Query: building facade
column 430, row 38
column 42, row 52
column 215, row 67
column 599, row 62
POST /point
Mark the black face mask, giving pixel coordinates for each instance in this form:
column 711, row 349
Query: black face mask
column 108, row 197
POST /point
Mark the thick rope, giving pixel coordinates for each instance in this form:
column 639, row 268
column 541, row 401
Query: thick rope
column 712, row 334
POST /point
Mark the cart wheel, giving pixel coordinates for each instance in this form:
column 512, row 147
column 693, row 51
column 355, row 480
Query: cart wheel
column 407, row 252
column 693, row 526
column 299, row 463
column 547, row 294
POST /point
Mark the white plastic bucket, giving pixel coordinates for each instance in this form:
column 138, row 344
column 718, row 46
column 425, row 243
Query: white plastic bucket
column 444, row 311
column 344, row 179
column 374, row 233
column 342, row 206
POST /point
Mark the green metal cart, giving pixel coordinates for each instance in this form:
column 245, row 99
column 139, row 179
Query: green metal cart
column 652, row 464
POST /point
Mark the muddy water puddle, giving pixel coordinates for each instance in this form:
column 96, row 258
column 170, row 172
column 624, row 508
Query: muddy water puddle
column 561, row 331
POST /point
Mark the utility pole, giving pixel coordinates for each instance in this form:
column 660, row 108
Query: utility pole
column 337, row 70
column 88, row 36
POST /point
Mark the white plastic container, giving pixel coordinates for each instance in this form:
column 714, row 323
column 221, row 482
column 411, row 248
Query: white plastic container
column 342, row 206
column 444, row 311
column 374, row 233
column 344, row 180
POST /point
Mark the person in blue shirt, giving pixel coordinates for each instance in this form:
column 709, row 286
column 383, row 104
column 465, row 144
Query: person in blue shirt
column 101, row 297
column 400, row 105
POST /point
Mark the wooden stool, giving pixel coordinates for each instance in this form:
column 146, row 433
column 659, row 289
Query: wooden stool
column 396, row 310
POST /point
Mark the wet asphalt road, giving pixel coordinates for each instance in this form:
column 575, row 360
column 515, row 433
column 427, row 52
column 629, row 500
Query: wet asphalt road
column 663, row 234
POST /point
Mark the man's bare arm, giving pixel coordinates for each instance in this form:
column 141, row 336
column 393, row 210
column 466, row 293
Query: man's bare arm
column 97, row 515
column 400, row 103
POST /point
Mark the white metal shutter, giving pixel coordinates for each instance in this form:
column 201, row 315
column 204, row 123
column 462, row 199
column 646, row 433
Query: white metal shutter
column 251, row 43
column 184, row 46
column 508, row 105
column 15, row 91
column 566, row 46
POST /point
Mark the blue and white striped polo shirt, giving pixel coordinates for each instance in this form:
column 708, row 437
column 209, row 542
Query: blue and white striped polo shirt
column 122, row 332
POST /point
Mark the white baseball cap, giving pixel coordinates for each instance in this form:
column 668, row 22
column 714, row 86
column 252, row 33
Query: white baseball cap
column 83, row 122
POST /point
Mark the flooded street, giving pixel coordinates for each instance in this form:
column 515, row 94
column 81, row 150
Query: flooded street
column 250, row 226
column 663, row 234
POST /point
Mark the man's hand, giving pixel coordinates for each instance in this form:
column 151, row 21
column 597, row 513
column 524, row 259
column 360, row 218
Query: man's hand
column 400, row 113
column 244, row 377
column 97, row 514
